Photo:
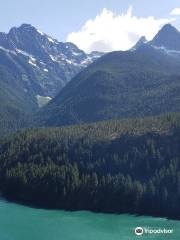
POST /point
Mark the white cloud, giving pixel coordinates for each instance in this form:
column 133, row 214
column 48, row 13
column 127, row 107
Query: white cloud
column 175, row 11
column 109, row 32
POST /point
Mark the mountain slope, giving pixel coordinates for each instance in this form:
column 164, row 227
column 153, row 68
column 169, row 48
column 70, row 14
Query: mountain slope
column 54, row 63
column 15, row 102
column 140, row 42
column 168, row 37
column 134, row 83
column 33, row 68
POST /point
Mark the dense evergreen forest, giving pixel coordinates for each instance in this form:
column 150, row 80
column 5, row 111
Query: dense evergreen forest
column 115, row 166
column 128, row 84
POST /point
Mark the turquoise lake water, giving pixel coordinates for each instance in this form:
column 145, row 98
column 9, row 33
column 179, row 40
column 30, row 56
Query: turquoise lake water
column 19, row 222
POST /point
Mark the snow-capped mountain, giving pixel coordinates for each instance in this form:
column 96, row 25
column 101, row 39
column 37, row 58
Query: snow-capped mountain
column 44, row 64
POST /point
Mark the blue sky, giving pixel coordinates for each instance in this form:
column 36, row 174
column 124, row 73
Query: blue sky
column 70, row 20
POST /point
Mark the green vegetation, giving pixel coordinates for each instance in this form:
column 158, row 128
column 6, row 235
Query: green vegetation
column 15, row 103
column 115, row 166
column 145, row 82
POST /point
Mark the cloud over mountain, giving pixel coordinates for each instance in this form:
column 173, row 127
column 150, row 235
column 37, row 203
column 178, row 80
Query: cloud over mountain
column 109, row 31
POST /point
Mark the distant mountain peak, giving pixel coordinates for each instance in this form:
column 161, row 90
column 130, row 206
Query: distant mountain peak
column 168, row 37
column 140, row 42
column 143, row 39
column 169, row 28
column 45, row 63
column 26, row 26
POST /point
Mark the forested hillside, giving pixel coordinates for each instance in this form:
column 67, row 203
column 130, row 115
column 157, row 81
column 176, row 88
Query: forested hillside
column 143, row 82
column 115, row 166
column 15, row 102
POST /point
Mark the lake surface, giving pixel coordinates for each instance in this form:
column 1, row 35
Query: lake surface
column 24, row 223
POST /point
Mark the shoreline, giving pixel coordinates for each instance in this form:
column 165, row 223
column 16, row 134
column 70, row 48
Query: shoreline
column 38, row 207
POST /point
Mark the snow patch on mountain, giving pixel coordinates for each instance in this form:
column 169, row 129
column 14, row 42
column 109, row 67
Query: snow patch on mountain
column 32, row 63
column 76, row 54
column 42, row 34
column 53, row 58
column 40, row 51
column 42, row 100
column 167, row 51
column 7, row 50
column 52, row 40
column 31, row 57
